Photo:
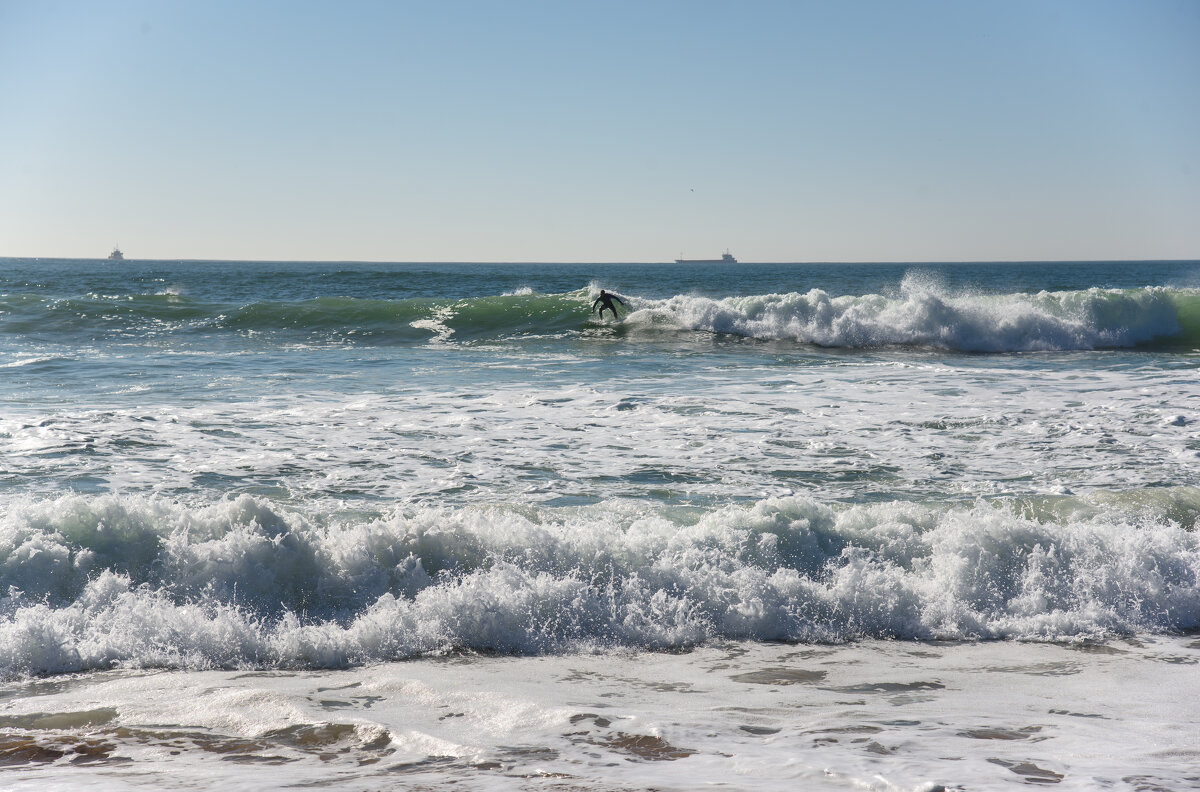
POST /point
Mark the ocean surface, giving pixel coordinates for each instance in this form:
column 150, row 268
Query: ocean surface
column 274, row 525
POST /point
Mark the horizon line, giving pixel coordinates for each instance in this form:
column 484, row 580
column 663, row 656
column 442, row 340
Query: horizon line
column 669, row 262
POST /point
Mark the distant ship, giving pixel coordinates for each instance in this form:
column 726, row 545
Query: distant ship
column 116, row 254
column 725, row 259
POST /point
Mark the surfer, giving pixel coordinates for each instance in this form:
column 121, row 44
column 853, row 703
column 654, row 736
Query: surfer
column 605, row 300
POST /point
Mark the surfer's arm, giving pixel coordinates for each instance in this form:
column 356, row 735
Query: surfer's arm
column 618, row 299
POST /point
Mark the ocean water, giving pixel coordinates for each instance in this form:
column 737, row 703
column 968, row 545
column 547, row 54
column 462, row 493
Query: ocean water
column 377, row 526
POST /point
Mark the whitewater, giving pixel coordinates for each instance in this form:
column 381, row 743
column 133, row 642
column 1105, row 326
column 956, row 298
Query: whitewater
column 368, row 526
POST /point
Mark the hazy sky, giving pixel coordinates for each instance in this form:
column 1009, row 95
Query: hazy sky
column 600, row 131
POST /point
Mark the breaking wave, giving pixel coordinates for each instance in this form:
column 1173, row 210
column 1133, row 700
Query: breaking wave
column 129, row 581
column 917, row 316
column 920, row 316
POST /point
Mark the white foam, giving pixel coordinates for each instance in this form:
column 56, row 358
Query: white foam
column 436, row 325
column 28, row 360
column 875, row 715
column 923, row 315
column 131, row 581
column 859, row 427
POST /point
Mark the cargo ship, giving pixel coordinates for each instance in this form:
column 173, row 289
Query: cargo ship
column 726, row 258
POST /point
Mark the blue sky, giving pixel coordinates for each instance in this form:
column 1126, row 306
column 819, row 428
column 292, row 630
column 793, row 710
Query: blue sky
column 600, row 131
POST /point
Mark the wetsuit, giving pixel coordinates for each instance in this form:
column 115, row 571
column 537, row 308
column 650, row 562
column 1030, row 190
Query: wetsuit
column 605, row 300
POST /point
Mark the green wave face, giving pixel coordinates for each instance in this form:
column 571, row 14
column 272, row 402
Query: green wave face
column 475, row 319
column 1154, row 317
column 1187, row 313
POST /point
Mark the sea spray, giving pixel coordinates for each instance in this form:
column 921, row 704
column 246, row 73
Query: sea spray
column 923, row 317
column 93, row 583
column 918, row 315
column 789, row 478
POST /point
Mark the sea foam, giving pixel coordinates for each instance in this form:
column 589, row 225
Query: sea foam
column 144, row 582
column 922, row 315
column 918, row 314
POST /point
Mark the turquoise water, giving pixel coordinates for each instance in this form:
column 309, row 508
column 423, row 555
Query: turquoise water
column 294, row 446
column 184, row 330
column 781, row 526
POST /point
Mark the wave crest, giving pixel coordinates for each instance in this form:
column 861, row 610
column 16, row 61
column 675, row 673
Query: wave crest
column 93, row 583
column 919, row 315
column 922, row 316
